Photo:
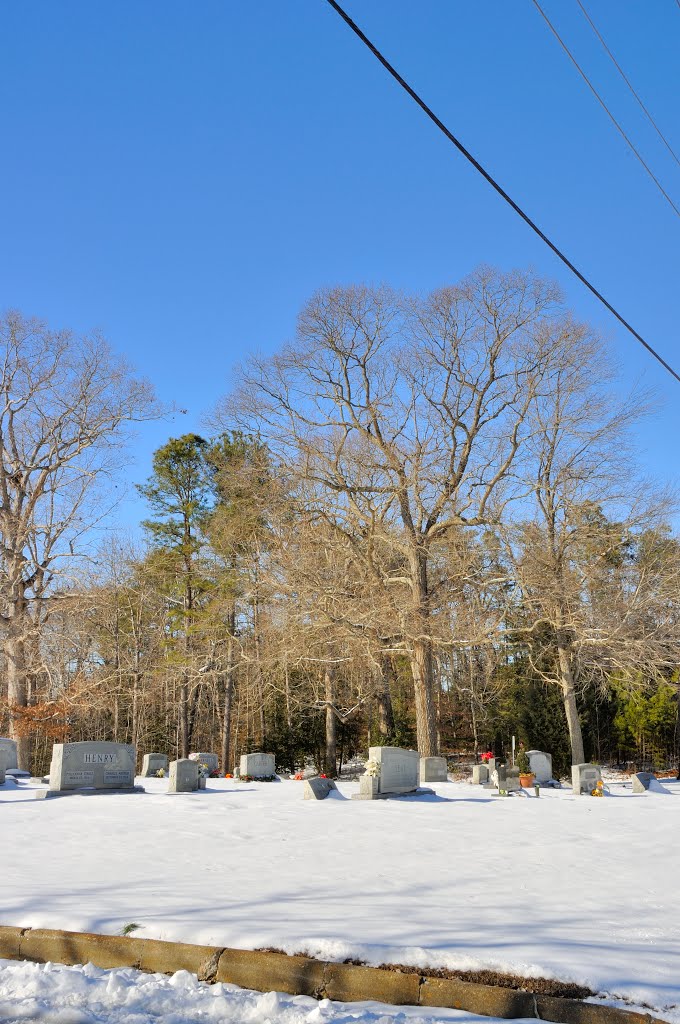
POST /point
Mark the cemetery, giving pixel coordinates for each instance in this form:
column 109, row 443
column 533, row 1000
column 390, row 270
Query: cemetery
column 582, row 913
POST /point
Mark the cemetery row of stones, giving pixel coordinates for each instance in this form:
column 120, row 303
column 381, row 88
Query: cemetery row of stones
column 389, row 771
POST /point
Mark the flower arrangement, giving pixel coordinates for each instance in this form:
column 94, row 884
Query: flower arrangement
column 160, row 774
column 258, row 778
column 372, row 768
column 298, row 776
column 228, row 775
column 203, row 771
column 487, row 756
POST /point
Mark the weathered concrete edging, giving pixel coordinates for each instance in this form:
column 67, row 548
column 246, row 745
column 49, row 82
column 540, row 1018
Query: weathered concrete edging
column 300, row 975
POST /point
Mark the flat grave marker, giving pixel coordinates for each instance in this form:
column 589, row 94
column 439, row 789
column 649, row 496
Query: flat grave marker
column 318, row 788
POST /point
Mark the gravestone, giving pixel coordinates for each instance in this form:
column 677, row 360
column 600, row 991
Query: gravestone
column 480, row 774
column 184, row 776
column 3, row 765
column 257, row 766
column 10, row 749
column 391, row 772
column 540, row 765
column 209, row 760
column 507, row 779
column 317, row 788
column 92, row 765
column 433, row 769
column 491, row 764
column 642, row 780
column 584, row 778
column 153, row 763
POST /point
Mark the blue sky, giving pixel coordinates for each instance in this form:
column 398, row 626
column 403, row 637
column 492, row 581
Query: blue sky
column 184, row 175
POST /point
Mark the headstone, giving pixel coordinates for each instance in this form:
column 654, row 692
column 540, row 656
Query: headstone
column 317, row 788
column 540, row 765
column 153, row 763
column 491, row 764
column 433, row 769
column 183, row 776
column 480, row 774
column 209, row 760
column 390, row 771
column 3, row 765
column 507, row 779
column 257, row 766
column 92, row 765
column 642, row 780
column 584, row 778
column 10, row 748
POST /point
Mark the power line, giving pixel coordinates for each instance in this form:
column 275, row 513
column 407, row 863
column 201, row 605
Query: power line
column 494, row 184
column 602, row 103
column 629, row 84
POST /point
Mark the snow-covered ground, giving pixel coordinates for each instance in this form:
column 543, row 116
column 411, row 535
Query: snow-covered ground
column 85, row 995
column 570, row 887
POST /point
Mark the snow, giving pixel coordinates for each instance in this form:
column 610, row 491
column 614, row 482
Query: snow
column 577, row 888
column 87, row 995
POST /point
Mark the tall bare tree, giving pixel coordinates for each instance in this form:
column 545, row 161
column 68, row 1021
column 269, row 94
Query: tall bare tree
column 399, row 419
column 64, row 403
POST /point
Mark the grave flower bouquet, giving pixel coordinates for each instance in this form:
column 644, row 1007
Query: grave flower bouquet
column 372, row 768
column 203, row 771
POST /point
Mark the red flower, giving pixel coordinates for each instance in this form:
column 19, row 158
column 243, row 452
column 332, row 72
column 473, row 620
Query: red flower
column 487, row 756
column 322, row 776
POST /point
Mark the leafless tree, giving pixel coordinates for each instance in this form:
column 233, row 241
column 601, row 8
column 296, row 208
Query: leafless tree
column 64, row 401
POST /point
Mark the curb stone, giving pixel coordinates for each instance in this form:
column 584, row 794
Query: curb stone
column 300, row 975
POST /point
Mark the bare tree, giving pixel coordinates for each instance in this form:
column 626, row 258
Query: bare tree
column 64, row 401
column 399, row 418
column 595, row 598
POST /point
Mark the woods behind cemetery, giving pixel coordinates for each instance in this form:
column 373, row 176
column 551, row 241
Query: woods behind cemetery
column 422, row 522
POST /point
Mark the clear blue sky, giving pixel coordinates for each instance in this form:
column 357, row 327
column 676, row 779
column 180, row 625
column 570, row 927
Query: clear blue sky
column 184, row 175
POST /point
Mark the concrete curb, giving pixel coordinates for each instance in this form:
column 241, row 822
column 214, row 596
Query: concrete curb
column 300, row 975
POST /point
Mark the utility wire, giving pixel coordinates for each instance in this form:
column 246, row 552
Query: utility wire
column 602, row 103
column 628, row 83
column 494, row 184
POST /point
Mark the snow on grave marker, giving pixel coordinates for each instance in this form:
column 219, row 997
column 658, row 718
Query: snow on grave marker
column 642, row 780
column 318, row 788
column 257, row 765
column 153, row 764
column 92, row 765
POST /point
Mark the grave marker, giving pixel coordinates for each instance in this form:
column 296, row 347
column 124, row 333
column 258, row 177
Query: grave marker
column 184, row 776
column 209, row 760
column 433, row 769
column 257, row 765
column 584, row 778
column 317, row 788
column 3, row 765
column 480, row 774
column 153, row 763
column 10, row 748
column 540, row 765
column 390, row 771
column 642, row 780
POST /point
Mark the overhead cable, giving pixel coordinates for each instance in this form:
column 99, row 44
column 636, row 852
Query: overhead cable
column 494, row 184
column 602, row 103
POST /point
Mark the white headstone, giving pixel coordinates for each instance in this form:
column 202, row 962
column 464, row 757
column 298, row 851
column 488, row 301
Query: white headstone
column 257, row 766
column 480, row 774
column 10, row 748
column 433, row 769
column 584, row 778
column 153, row 763
column 540, row 765
column 92, row 765
column 183, row 776
column 399, row 769
column 209, row 760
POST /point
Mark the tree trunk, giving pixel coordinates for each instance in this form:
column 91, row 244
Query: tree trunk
column 569, row 697
column 385, row 709
column 17, row 690
column 422, row 662
column 228, row 698
column 422, row 669
column 330, row 758
column 183, row 723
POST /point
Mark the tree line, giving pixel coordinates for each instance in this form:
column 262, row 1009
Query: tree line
column 420, row 522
